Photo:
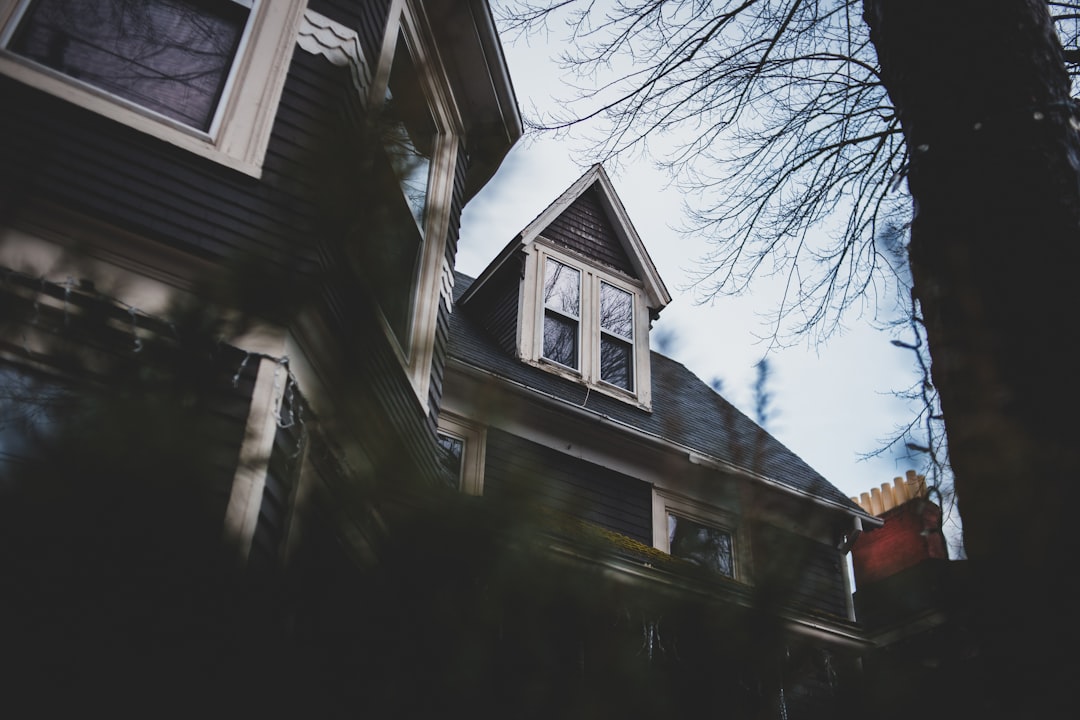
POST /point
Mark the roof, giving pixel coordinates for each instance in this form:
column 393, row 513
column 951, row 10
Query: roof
column 656, row 293
column 685, row 412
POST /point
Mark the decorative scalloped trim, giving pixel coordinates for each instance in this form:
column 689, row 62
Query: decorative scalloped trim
column 447, row 283
column 319, row 35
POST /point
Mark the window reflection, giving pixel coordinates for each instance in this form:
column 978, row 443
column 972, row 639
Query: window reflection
column 562, row 307
column 170, row 56
column 616, row 311
column 451, row 455
column 410, row 141
column 700, row 544
column 616, row 336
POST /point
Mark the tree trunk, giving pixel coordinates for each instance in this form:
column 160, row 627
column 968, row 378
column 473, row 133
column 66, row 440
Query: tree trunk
column 984, row 99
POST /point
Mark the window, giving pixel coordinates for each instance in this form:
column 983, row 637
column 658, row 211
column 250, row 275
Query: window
column 170, row 56
column 588, row 324
column 30, row 405
column 704, row 534
column 393, row 261
column 452, row 456
column 461, row 446
column 700, row 544
column 562, row 311
column 616, row 336
column 202, row 74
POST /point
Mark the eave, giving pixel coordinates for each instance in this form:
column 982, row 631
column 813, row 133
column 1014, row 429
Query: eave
column 472, row 52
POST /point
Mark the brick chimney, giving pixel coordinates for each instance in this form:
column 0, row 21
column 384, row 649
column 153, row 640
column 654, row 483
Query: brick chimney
column 909, row 536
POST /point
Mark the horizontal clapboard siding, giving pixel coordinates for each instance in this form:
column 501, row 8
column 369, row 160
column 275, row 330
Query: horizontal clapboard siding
column 70, row 156
column 520, row 470
column 806, row 573
column 496, row 307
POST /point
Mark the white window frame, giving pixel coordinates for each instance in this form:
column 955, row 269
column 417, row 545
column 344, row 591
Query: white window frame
column 472, row 458
column 667, row 503
column 531, row 325
column 240, row 131
column 576, row 319
column 433, row 273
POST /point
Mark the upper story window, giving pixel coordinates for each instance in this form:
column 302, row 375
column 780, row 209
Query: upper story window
column 589, row 325
column 412, row 132
column 403, row 256
column 172, row 57
column 205, row 75
column 392, row 261
column 562, row 313
column 616, row 336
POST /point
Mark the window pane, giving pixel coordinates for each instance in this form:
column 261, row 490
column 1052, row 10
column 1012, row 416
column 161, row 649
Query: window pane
column 451, row 454
column 170, row 56
column 616, row 311
column 412, row 132
column 615, row 363
column 30, row 406
column 560, row 340
column 562, row 289
column 702, row 545
column 390, row 255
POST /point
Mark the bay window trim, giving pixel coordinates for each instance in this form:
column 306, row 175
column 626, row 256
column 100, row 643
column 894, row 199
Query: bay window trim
column 407, row 19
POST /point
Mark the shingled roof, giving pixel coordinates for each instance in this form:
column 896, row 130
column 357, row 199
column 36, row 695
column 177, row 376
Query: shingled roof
column 685, row 411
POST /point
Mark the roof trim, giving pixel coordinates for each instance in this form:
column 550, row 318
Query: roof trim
column 656, row 292
column 693, row 456
column 476, row 66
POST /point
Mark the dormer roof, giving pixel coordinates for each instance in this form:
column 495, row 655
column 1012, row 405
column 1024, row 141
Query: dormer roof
column 589, row 220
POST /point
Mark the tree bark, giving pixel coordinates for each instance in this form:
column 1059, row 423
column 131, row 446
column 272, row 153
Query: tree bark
column 984, row 100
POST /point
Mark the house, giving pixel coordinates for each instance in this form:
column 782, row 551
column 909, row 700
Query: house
column 227, row 234
column 234, row 393
column 668, row 523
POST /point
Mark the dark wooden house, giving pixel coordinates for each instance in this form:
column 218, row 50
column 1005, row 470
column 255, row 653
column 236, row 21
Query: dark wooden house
column 693, row 532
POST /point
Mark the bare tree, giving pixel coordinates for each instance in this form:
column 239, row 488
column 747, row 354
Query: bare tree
column 770, row 116
column 793, row 116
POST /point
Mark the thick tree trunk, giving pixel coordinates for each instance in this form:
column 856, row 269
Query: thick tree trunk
column 984, row 99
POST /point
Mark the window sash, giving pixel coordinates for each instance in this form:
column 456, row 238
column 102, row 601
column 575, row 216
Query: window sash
column 561, row 343
column 173, row 58
column 705, row 545
column 617, row 361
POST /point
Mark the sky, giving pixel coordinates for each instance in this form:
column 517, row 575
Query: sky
column 831, row 403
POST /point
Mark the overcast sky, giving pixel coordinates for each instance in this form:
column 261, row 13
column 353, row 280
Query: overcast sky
column 831, row 403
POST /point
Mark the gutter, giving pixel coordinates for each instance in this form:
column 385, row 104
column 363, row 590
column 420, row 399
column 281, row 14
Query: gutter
column 693, row 456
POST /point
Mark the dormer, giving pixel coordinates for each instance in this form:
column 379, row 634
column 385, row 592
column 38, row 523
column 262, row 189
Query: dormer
column 575, row 293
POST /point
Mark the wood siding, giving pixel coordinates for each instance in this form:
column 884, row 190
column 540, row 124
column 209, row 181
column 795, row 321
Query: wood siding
column 586, row 228
column 520, row 470
column 496, row 307
column 442, row 328
column 802, row 573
